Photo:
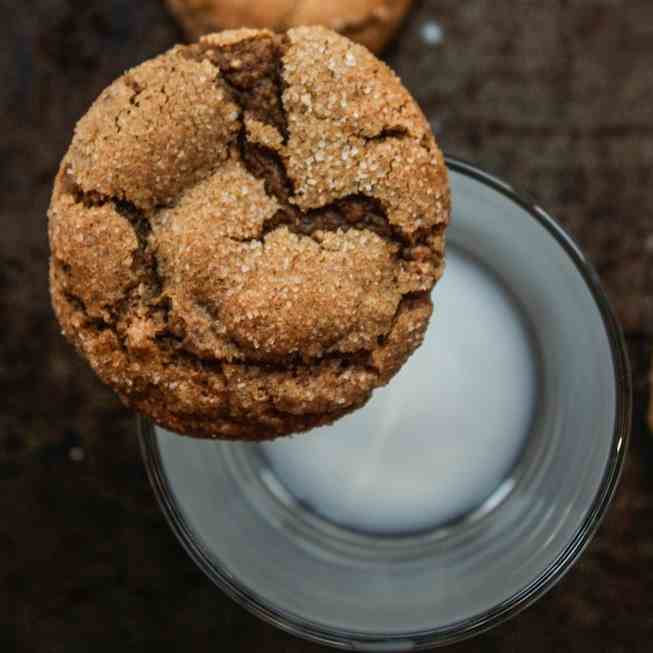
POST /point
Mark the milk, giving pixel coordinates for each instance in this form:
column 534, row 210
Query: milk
column 446, row 432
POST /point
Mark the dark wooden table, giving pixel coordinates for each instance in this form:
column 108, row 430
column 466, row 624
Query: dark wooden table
column 555, row 96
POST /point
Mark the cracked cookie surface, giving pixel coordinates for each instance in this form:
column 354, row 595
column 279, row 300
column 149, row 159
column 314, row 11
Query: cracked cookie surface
column 371, row 23
column 245, row 233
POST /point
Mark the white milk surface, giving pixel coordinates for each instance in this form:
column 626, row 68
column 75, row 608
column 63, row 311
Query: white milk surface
column 443, row 435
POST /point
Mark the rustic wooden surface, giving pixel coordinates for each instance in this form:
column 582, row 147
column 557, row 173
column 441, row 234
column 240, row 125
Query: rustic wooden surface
column 554, row 96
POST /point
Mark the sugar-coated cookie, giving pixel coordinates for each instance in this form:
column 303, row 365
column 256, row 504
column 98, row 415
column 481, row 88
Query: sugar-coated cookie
column 245, row 232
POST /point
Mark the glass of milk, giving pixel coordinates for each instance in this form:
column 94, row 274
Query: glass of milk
column 463, row 490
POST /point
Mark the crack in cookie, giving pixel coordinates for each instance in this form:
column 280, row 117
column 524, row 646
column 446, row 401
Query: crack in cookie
column 252, row 70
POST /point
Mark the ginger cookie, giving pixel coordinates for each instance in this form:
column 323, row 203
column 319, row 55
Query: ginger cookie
column 245, row 232
column 369, row 22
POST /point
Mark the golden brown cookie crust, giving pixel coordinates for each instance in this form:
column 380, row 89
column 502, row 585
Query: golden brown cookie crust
column 371, row 23
column 245, row 233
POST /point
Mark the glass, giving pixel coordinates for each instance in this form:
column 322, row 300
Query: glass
column 294, row 565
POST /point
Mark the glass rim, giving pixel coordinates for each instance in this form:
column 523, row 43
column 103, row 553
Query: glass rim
column 519, row 601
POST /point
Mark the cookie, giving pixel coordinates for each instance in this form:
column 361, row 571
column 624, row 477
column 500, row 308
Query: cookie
column 245, row 233
column 369, row 22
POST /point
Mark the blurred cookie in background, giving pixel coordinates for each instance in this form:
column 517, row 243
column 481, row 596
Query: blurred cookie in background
column 369, row 22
